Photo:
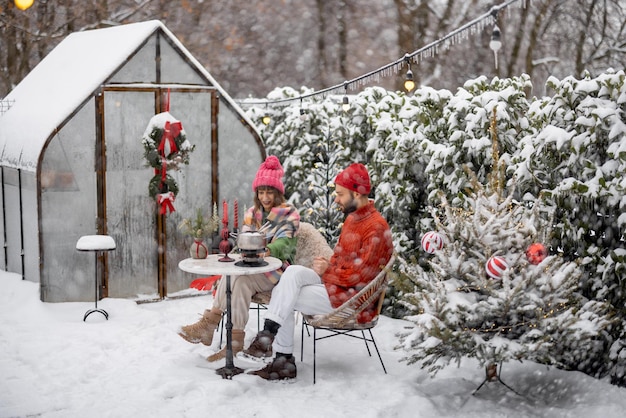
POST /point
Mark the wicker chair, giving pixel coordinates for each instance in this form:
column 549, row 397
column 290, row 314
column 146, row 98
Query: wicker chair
column 343, row 320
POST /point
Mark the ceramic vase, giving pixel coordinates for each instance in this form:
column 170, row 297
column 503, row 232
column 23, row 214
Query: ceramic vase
column 198, row 249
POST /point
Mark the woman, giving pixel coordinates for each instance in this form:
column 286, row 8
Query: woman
column 269, row 206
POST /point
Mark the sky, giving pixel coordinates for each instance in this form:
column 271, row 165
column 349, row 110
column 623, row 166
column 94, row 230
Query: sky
column 54, row 364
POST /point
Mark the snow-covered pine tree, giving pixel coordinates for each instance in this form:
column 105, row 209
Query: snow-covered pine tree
column 531, row 312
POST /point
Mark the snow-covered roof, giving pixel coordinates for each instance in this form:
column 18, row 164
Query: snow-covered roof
column 64, row 79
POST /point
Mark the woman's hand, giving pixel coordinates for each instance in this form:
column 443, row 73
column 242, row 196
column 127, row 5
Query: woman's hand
column 320, row 264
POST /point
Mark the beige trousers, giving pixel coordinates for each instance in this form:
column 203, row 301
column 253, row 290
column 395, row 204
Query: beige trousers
column 242, row 289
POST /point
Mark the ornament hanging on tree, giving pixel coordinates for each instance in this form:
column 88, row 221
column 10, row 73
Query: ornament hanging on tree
column 432, row 241
column 536, row 253
column 496, row 266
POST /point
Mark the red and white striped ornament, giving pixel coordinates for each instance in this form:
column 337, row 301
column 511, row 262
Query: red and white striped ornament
column 432, row 241
column 496, row 266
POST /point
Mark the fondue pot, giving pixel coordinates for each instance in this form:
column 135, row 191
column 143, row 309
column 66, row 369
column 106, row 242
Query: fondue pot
column 252, row 246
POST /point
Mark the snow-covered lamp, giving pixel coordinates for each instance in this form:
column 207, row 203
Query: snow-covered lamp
column 23, row 4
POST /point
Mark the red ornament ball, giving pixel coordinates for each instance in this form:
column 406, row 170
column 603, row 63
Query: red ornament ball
column 536, row 253
column 495, row 266
column 432, row 241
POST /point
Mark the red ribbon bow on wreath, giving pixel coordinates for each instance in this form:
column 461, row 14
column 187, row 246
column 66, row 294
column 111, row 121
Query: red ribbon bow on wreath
column 170, row 131
column 165, row 201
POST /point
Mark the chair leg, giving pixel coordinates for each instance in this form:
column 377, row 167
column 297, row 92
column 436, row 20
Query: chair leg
column 377, row 352
column 335, row 333
column 302, row 341
column 365, row 341
column 314, row 351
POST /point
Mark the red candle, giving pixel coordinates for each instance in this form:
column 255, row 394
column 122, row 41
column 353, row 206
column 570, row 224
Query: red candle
column 225, row 214
column 236, row 220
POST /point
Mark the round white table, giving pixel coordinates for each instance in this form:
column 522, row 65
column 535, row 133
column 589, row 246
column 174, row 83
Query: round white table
column 212, row 266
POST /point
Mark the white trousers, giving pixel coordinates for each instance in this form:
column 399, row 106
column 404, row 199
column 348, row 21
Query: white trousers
column 299, row 289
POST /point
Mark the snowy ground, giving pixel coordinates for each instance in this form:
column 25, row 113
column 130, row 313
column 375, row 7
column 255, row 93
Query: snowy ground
column 52, row 364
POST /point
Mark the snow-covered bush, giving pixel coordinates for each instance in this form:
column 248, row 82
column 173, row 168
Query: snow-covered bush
column 566, row 151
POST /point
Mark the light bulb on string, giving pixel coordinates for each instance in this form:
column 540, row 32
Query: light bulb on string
column 303, row 115
column 409, row 83
column 266, row 119
column 495, row 44
column 23, row 4
column 345, row 104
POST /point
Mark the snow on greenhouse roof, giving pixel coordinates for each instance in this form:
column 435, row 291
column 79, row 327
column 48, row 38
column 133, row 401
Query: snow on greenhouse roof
column 63, row 80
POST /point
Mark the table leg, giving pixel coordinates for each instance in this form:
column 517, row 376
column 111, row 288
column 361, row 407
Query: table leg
column 228, row 371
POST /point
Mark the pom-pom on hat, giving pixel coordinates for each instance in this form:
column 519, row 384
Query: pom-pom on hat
column 355, row 178
column 270, row 174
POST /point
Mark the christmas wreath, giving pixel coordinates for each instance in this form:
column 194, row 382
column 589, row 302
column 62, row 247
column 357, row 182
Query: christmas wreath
column 165, row 148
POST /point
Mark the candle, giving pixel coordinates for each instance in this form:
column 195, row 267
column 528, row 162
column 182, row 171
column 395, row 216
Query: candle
column 225, row 214
column 236, row 220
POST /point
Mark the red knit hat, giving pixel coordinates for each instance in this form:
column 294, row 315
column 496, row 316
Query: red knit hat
column 355, row 178
column 270, row 174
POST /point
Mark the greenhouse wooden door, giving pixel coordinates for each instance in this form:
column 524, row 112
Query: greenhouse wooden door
column 144, row 265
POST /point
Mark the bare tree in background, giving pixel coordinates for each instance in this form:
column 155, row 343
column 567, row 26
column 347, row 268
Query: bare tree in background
column 254, row 46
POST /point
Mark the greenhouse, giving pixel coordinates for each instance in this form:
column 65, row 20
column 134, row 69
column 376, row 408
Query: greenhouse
column 73, row 162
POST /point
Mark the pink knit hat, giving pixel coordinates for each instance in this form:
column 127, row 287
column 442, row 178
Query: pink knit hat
column 355, row 178
column 270, row 174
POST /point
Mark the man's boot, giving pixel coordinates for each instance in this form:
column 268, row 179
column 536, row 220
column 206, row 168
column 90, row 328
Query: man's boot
column 203, row 330
column 282, row 368
column 238, row 338
column 261, row 346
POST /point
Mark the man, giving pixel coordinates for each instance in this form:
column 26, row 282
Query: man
column 364, row 248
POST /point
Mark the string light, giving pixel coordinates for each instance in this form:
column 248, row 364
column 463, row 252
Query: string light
column 345, row 102
column 529, row 323
column 303, row 115
column 495, row 44
column 23, row 4
column 266, row 118
column 417, row 56
column 409, row 84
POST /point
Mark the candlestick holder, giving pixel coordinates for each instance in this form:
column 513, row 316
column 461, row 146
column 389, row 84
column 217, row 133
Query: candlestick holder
column 225, row 245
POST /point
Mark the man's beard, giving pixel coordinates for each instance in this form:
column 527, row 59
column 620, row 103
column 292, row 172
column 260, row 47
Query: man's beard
column 350, row 207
